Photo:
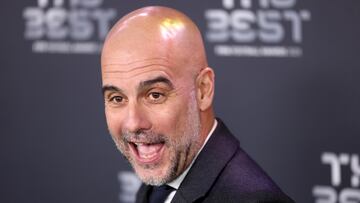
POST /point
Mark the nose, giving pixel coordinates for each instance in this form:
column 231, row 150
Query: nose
column 136, row 119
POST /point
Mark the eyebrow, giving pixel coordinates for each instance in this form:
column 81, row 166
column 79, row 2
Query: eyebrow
column 159, row 79
column 110, row 88
column 143, row 85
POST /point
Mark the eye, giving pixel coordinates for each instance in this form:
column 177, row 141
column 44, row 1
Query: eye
column 156, row 97
column 116, row 99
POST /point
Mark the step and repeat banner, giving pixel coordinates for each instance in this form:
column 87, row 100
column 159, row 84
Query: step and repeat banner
column 287, row 85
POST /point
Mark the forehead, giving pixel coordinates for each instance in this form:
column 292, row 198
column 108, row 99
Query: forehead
column 138, row 75
column 113, row 69
column 125, row 58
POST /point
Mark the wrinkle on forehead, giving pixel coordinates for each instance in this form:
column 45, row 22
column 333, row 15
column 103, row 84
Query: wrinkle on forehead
column 115, row 73
column 116, row 61
column 137, row 67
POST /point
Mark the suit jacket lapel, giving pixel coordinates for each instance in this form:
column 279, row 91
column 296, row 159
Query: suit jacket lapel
column 212, row 159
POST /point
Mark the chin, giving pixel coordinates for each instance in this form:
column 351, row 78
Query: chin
column 154, row 176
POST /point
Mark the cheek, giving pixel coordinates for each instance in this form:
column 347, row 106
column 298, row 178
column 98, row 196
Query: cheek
column 169, row 119
column 113, row 121
column 164, row 121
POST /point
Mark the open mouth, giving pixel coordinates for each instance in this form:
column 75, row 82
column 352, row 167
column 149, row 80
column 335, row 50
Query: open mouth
column 147, row 153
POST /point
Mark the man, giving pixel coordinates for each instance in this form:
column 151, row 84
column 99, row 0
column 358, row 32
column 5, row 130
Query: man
column 158, row 92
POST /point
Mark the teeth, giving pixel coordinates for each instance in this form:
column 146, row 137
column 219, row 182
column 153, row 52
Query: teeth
column 138, row 144
column 144, row 156
column 144, row 144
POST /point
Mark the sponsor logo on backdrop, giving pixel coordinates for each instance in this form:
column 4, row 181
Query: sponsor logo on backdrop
column 344, row 180
column 257, row 28
column 71, row 26
column 129, row 185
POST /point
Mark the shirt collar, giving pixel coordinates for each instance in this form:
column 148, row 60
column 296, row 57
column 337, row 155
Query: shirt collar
column 176, row 183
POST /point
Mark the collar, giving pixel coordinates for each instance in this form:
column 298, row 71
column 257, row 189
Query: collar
column 176, row 183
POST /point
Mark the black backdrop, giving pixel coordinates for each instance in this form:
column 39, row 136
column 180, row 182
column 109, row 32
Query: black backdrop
column 287, row 84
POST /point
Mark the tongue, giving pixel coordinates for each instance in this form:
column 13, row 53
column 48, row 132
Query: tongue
column 148, row 150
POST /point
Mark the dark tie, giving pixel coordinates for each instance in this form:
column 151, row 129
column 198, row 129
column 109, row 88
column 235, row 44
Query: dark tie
column 159, row 193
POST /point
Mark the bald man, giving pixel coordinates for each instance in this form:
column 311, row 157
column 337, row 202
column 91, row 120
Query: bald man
column 158, row 91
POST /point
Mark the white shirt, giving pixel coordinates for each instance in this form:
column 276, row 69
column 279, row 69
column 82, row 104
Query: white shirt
column 176, row 183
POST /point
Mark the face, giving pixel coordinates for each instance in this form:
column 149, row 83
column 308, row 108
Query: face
column 153, row 117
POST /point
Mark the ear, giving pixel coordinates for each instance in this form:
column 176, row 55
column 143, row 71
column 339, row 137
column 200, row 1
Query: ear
column 205, row 85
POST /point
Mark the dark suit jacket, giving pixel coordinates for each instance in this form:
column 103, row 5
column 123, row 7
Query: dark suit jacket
column 223, row 172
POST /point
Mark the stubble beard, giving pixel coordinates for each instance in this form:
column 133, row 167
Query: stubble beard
column 183, row 147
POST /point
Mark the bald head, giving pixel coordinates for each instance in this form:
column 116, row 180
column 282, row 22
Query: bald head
column 155, row 33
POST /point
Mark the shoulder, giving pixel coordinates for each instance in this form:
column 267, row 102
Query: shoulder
column 243, row 180
column 223, row 172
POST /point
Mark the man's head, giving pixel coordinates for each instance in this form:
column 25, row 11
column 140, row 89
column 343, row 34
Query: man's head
column 158, row 91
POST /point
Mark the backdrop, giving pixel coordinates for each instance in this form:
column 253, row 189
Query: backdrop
column 287, row 85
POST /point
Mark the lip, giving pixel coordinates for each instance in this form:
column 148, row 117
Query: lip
column 151, row 158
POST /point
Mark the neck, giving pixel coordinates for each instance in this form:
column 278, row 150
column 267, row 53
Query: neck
column 207, row 121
